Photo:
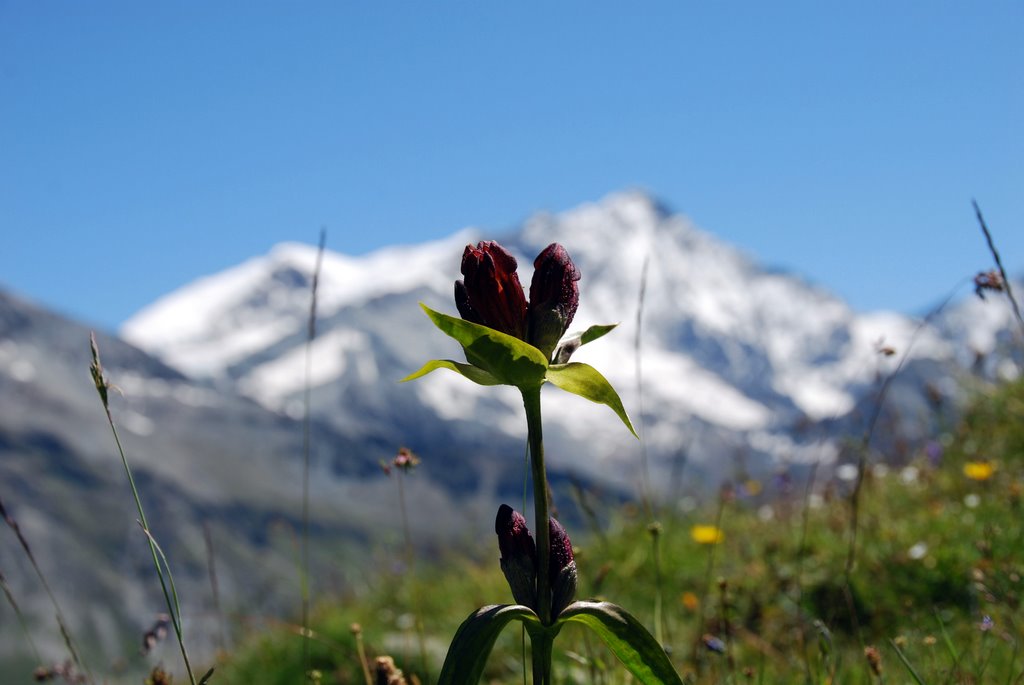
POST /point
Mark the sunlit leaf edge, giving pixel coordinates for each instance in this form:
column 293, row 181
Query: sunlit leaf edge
column 473, row 373
column 587, row 382
column 474, row 640
column 596, row 331
column 627, row 639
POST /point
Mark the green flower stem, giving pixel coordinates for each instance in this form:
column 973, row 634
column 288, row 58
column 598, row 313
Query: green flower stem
column 535, row 436
column 540, row 645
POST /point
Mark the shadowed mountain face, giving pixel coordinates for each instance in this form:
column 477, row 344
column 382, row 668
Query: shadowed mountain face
column 208, row 462
column 741, row 369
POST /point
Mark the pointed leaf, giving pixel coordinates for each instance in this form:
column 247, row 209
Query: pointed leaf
column 568, row 346
column 474, row 640
column 597, row 331
column 628, row 640
column 510, row 360
column 477, row 375
column 586, row 381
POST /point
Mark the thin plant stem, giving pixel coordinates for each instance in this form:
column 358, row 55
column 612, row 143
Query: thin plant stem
column 535, row 435
column 654, row 530
column 869, row 430
column 645, row 482
column 522, row 647
column 723, row 607
column 357, row 630
column 862, row 462
column 410, row 562
column 65, row 632
column 21, row 617
column 801, row 556
column 526, row 484
column 706, row 590
column 306, row 445
column 103, row 387
column 211, row 568
column 646, row 496
column 999, row 263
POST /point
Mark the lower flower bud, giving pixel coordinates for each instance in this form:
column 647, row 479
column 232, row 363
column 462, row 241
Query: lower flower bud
column 562, row 568
column 563, row 588
column 518, row 555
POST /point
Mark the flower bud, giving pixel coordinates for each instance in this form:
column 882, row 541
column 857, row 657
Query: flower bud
column 562, row 568
column 491, row 294
column 518, row 555
column 554, row 297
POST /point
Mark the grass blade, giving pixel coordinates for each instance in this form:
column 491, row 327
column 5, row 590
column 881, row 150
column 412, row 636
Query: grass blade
column 906, row 663
column 103, row 388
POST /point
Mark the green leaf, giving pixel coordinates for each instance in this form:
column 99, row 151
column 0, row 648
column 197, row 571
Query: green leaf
column 587, row 382
column 509, row 360
column 568, row 346
column 595, row 332
column 628, row 640
column 474, row 640
column 473, row 373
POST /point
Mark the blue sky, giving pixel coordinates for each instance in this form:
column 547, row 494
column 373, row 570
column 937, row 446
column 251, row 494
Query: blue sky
column 143, row 145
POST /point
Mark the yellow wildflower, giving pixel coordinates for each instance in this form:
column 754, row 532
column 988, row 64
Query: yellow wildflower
column 979, row 470
column 690, row 601
column 706, row 535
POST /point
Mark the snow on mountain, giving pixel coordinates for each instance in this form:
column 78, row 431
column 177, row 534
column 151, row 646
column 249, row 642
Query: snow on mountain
column 208, row 325
column 733, row 355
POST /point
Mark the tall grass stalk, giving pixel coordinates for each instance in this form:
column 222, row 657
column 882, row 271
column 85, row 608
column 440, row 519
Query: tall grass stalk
column 62, row 623
column 21, row 617
column 645, row 483
column 410, row 563
column 647, row 497
column 306, row 447
column 724, row 496
column 357, row 631
column 166, row 580
column 906, row 663
column 862, row 460
column 211, row 569
column 801, row 556
column 869, row 430
column 999, row 264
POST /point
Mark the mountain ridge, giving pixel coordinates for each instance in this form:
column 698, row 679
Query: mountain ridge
column 731, row 350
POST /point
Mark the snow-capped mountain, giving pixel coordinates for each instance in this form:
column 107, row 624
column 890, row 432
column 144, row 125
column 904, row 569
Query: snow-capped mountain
column 733, row 356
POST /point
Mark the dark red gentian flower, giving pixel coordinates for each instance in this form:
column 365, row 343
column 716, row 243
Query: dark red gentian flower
column 561, row 548
column 518, row 555
column 562, row 568
column 554, row 297
column 492, row 296
column 514, row 537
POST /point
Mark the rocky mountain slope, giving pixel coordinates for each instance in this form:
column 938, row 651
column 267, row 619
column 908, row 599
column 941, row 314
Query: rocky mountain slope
column 210, row 465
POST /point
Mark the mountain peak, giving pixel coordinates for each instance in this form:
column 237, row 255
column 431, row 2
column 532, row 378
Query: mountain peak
column 730, row 350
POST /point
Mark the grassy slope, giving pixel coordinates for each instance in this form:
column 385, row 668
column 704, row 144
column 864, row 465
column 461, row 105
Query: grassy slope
column 937, row 553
